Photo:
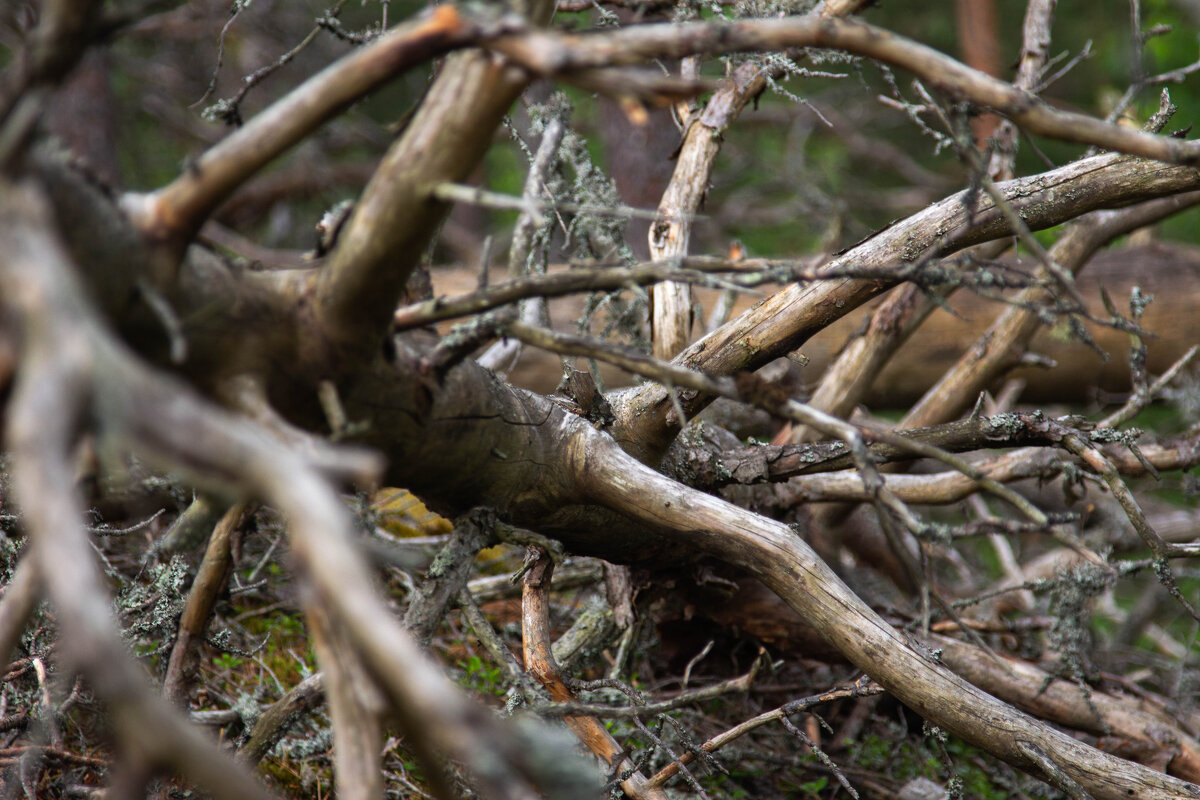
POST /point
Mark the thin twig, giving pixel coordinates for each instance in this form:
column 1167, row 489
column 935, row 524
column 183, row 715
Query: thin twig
column 1141, row 399
column 861, row 688
column 539, row 661
column 584, row 279
column 741, row 683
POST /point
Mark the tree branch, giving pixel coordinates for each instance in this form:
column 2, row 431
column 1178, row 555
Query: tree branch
column 1154, row 737
column 847, row 380
column 275, row 721
column 786, row 564
column 172, row 215
column 556, row 284
column 73, row 364
column 359, row 287
column 54, row 380
column 671, row 320
column 539, row 662
column 548, row 54
column 646, row 418
column 210, row 580
column 1000, row 348
column 20, row 600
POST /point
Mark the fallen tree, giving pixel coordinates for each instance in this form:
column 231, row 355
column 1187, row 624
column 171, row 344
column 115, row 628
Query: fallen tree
column 287, row 385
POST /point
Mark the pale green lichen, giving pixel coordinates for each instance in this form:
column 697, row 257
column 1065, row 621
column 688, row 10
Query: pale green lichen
column 151, row 610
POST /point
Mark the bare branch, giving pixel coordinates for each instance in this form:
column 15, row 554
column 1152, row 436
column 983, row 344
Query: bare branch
column 275, row 721
column 1035, row 45
column 173, row 214
column 77, row 361
column 671, row 321
column 785, row 321
column 210, row 580
column 357, row 707
column 1001, row 347
column 785, row 563
column 473, row 195
column 20, row 599
column 742, row 683
column 548, row 54
column 448, row 574
column 1141, row 399
column 748, row 388
column 53, row 381
column 539, row 661
column 359, row 287
column 555, row 284
column 300, row 358
column 846, row 381
column 774, row 463
column 54, row 47
column 863, row 688
column 521, row 253
column 1154, row 736
column 940, row 488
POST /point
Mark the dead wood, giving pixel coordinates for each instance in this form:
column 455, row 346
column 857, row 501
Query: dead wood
column 256, row 385
column 1170, row 272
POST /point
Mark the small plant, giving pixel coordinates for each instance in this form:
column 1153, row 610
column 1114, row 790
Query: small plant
column 228, row 662
column 482, row 677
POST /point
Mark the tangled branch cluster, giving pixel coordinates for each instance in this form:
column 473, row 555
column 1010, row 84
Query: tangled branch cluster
column 255, row 408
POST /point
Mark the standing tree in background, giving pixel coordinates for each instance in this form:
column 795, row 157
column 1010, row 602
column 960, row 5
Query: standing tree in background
column 173, row 373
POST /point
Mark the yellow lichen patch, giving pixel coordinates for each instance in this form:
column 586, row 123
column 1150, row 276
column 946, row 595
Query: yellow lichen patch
column 401, row 513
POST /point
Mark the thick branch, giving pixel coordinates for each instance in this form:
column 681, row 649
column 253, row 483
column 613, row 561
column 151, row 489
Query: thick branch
column 1153, row 737
column 846, row 381
column 77, row 366
column 20, row 599
column 210, row 580
column 48, row 403
column 646, row 418
column 555, row 471
column 940, row 488
column 549, row 54
column 779, row 463
column 274, row 723
column 447, row 575
column 671, row 320
column 396, row 216
column 786, row 564
column 1001, row 347
column 175, row 213
column 357, row 708
column 539, row 662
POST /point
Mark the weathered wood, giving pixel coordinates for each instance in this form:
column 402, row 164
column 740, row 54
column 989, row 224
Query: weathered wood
column 1170, row 272
column 554, row 470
